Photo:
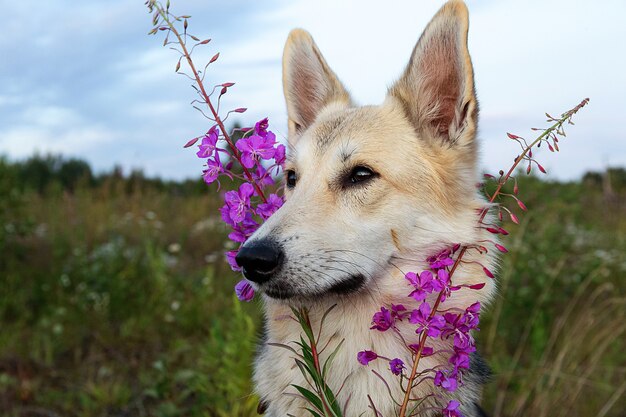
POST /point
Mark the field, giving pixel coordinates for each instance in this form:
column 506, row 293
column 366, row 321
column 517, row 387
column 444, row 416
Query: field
column 116, row 300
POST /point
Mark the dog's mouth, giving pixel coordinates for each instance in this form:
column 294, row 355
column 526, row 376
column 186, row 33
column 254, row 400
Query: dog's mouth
column 281, row 291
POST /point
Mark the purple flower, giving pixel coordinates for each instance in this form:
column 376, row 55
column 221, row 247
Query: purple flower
column 238, row 203
column 262, row 176
column 209, row 143
column 423, row 284
column 254, row 148
column 442, row 281
column 366, row 356
column 279, row 155
column 451, row 410
column 241, row 232
column 471, row 317
column 455, row 326
column 426, row 351
column 382, row 320
column 265, row 210
column 244, row 290
column 460, row 359
column 440, row 260
column 396, row 365
column 432, row 325
column 230, row 258
column 260, row 127
column 446, row 380
column 398, row 311
column 214, row 169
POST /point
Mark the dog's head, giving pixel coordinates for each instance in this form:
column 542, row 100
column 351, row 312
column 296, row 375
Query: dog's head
column 369, row 185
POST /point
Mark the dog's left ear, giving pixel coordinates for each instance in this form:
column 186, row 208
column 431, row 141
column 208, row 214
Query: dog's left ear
column 437, row 87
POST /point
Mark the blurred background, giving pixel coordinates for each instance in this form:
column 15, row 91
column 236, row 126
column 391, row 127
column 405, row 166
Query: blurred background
column 115, row 299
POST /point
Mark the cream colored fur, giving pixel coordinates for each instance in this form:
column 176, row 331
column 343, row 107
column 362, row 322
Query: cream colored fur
column 423, row 200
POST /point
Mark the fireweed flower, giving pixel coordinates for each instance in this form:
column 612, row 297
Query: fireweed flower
column 396, row 366
column 446, row 380
column 451, row 409
column 279, row 155
column 398, row 311
column 238, row 203
column 230, row 258
column 423, row 284
column 255, row 148
column 382, row 320
column 421, row 317
column 260, row 127
column 262, row 177
column 265, row 210
column 440, row 260
column 214, row 169
column 241, row 232
column 366, row 356
column 244, row 290
column 460, row 359
column 209, row 144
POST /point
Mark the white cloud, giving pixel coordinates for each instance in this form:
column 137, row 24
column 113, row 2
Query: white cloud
column 53, row 129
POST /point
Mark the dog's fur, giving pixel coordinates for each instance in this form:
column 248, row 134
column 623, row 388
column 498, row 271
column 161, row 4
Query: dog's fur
column 350, row 244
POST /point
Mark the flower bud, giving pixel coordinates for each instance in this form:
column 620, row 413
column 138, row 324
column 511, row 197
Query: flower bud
column 542, row 169
column 501, row 248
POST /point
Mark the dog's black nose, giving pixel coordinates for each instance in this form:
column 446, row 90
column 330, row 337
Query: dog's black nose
column 260, row 260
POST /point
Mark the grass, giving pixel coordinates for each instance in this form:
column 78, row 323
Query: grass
column 116, row 301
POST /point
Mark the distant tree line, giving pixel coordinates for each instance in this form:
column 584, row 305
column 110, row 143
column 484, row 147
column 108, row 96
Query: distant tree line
column 53, row 173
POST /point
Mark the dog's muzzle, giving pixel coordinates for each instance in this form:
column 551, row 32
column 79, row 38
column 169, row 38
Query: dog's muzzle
column 260, row 260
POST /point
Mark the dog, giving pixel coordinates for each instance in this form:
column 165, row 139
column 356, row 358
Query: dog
column 370, row 192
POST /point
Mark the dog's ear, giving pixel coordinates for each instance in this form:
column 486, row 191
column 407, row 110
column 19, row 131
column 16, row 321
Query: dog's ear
column 308, row 82
column 437, row 87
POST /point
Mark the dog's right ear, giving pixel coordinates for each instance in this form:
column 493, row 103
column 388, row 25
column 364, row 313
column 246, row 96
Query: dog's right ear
column 308, row 82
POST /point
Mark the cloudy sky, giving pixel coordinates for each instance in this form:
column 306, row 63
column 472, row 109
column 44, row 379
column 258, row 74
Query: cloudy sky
column 82, row 78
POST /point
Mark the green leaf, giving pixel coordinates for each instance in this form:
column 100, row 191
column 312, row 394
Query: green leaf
column 310, row 396
column 328, row 362
column 326, row 314
column 313, row 413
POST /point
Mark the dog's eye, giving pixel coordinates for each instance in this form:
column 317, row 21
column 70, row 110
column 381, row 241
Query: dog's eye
column 360, row 174
column 291, row 178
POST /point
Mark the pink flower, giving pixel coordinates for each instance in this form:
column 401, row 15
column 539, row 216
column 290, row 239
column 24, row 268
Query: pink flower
column 260, row 127
column 244, row 290
column 262, row 177
column 451, row 409
column 382, row 320
column 446, row 380
column 265, row 210
column 209, row 143
column 242, row 231
column 421, row 317
column 423, row 284
column 214, row 169
column 238, row 203
column 255, row 148
column 396, row 365
column 440, row 260
column 230, row 258
column 279, row 155
column 366, row 356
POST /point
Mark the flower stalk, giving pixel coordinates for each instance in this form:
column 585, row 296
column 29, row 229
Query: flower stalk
column 549, row 133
